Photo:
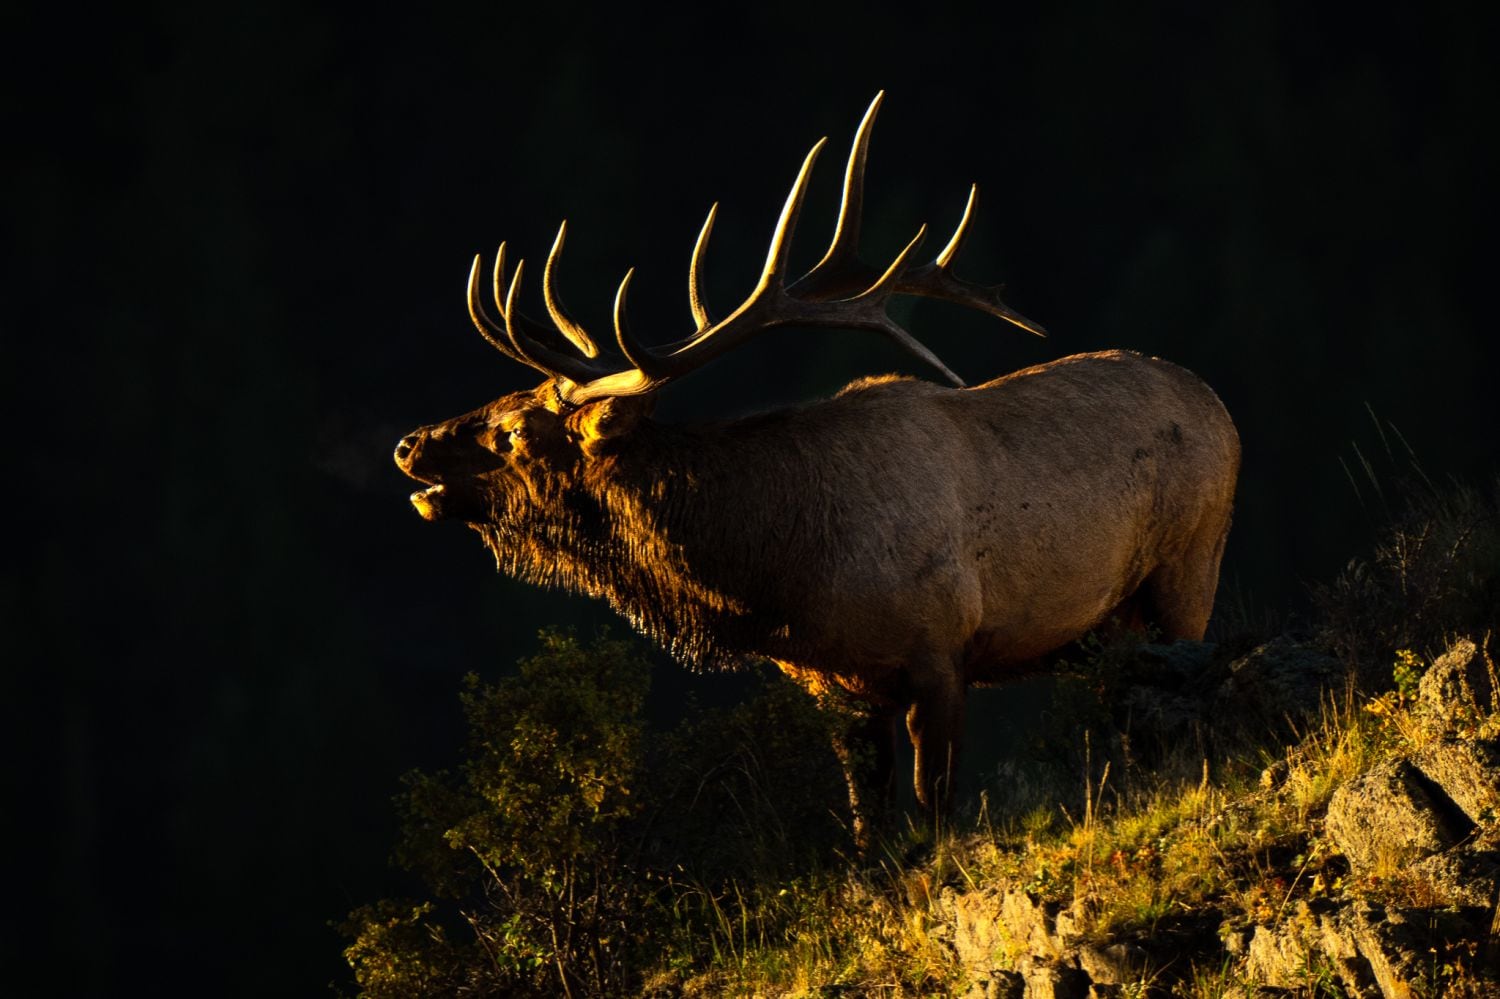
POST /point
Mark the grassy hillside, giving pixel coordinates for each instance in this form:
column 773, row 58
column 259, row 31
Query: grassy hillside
column 1312, row 811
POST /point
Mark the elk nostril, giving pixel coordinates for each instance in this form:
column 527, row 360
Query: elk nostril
column 405, row 448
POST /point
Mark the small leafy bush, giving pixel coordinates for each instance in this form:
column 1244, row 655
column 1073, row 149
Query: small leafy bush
column 572, row 850
column 527, row 838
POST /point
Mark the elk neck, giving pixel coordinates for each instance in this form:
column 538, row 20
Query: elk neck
column 695, row 534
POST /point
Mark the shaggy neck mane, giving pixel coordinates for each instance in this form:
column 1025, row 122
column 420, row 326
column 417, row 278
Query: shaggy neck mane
column 675, row 528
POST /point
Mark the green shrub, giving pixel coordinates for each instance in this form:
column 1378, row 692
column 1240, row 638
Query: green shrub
column 751, row 792
column 527, row 839
column 572, row 851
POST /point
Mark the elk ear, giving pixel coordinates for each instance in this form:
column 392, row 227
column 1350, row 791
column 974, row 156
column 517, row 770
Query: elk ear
column 597, row 423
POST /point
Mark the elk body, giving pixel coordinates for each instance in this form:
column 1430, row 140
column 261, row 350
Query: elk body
column 901, row 540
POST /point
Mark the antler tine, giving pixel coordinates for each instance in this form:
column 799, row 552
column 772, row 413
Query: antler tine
column 886, row 284
column 635, row 352
column 513, row 338
column 851, row 207
column 781, row 240
column 575, row 333
column 492, row 331
column 509, row 313
column 841, row 271
column 936, row 279
column 956, row 242
column 695, row 272
column 497, row 278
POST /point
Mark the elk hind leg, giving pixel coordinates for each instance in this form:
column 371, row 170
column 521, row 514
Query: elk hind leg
column 935, row 723
column 1179, row 595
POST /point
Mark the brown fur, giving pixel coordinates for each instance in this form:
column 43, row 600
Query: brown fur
column 900, row 540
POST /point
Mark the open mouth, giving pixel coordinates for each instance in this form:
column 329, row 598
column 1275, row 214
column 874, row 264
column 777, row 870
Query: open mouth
column 428, row 502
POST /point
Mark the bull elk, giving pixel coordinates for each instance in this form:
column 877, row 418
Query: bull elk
column 900, row 540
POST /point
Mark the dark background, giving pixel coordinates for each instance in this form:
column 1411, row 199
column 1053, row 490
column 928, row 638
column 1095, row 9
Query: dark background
column 238, row 244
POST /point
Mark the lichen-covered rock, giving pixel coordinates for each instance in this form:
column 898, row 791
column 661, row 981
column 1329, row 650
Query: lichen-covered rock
column 992, row 929
column 978, row 938
column 1456, row 685
column 1337, row 952
column 1367, row 951
column 1006, row 985
column 1308, row 950
column 1162, row 692
column 1387, row 818
column 1119, row 963
column 1276, row 956
column 1235, row 935
column 1071, row 925
column 1031, row 923
column 997, row 985
column 1047, row 979
column 1391, row 945
column 1177, row 666
column 1466, row 876
column 1279, row 679
column 1468, row 772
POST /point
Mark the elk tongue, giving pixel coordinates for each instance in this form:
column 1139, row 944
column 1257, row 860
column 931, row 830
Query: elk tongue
column 426, row 502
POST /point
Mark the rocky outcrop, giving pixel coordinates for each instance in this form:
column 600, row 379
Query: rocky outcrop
column 1173, row 691
column 1010, row 939
column 1425, row 822
column 1390, row 817
column 1459, row 681
column 1282, row 679
column 1366, row 950
column 1431, row 814
column 1465, row 770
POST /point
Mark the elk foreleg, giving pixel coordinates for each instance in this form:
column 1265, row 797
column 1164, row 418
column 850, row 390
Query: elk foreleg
column 867, row 751
column 935, row 722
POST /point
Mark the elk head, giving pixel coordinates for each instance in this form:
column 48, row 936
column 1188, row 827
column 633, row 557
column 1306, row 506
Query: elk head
column 511, row 465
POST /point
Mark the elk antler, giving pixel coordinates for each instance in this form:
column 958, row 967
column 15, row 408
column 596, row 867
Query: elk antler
column 840, row 291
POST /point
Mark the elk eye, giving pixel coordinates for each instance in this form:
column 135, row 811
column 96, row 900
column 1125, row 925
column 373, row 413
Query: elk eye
column 517, row 437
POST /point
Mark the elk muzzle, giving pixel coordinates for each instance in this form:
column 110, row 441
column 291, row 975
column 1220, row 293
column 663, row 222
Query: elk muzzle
column 408, row 454
column 451, row 459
